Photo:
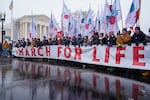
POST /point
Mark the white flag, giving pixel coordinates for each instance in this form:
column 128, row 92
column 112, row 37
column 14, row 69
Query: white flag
column 76, row 28
column 65, row 16
column 33, row 29
column 134, row 13
column 98, row 22
column 89, row 25
column 82, row 22
column 53, row 27
column 11, row 6
column 106, row 13
column 70, row 26
column 67, row 21
column 115, row 17
column 116, row 10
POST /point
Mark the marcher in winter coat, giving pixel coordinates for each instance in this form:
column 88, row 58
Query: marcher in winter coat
column 124, row 38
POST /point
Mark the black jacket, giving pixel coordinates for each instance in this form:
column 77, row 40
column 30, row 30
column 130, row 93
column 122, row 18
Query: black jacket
column 139, row 38
column 112, row 40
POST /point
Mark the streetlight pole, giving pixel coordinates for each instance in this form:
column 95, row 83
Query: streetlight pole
column 2, row 18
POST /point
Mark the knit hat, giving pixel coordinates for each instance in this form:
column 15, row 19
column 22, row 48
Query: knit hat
column 124, row 29
column 137, row 27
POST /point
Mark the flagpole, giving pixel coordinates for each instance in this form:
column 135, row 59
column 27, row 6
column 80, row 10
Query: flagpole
column 98, row 20
column 138, row 23
column 121, row 17
column 90, row 4
column 111, row 2
column 62, row 27
column 122, row 22
column 12, row 24
column 63, row 2
column 106, row 28
column 50, row 35
column 32, row 26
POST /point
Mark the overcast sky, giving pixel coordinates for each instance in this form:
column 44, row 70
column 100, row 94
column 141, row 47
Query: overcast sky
column 26, row 7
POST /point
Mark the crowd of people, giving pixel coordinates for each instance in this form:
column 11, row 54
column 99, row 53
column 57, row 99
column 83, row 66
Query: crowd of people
column 122, row 38
column 96, row 39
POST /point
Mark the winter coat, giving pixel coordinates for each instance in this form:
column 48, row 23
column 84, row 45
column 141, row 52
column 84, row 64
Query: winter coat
column 5, row 45
column 112, row 40
column 123, row 39
column 139, row 38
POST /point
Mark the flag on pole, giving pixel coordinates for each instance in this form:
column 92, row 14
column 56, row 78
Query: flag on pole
column 105, row 18
column 89, row 23
column 81, row 22
column 103, row 23
column 76, row 28
column 33, row 29
column 67, row 21
column 70, row 26
column 53, row 27
column 116, row 16
column 65, row 16
column 97, row 21
column 11, row 6
column 82, row 18
column 134, row 13
column 116, row 10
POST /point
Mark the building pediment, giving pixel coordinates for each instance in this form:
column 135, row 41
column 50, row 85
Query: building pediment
column 38, row 18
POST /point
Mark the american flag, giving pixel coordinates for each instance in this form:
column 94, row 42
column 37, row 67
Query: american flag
column 11, row 6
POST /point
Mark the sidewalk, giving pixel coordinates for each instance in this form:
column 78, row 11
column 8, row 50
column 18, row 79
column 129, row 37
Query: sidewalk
column 5, row 61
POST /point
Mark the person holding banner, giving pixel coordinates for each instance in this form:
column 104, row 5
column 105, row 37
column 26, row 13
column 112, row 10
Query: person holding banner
column 74, row 41
column 80, row 40
column 103, row 39
column 138, row 36
column 124, row 38
column 111, row 39
column 33, row 42
column 148, row 36
column 23, row 43
column 45, row 41
column 86, row 41
column 95, row 37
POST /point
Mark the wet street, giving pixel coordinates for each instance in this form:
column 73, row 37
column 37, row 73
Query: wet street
column 36, row 80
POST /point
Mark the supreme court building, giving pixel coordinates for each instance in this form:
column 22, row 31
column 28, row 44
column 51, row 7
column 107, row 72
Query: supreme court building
column 22, row 26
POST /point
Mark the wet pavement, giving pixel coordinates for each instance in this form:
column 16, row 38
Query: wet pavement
column 26, row 80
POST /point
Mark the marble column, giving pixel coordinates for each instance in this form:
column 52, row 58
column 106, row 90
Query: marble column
column 22, row 30
column 28, row 29
column 44, row 31
column 47, row 32
column 38, row 30
column 26, row 33
column 41, row 32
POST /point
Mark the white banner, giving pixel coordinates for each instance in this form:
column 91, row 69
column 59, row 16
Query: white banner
column 133, row 57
